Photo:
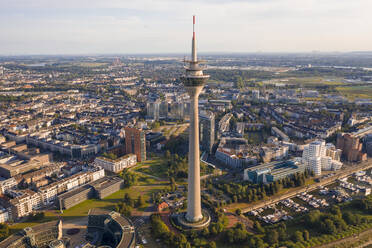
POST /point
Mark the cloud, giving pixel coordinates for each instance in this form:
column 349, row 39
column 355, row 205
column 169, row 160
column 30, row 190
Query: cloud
column 123, row 26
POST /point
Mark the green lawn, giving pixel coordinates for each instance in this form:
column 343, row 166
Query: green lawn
column 156, row 167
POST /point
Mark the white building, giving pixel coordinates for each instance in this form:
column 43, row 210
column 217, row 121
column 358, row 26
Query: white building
column 255, row 94
column 232, row 160
column 117, row 165
column 4, row 215
column 315, row 165
column 24, row 202
column 7, row 184
column 49, row 192
column 318, row 156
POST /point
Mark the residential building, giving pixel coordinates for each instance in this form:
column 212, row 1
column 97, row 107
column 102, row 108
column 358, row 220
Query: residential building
column 351, row 147
column 318, row 156
column 48, row 234
column 269, row 153
column 24, row 203
column 50, row 192
column 152, row 110
column 116, row 165
column 135, row 143
column 207, row 130
column 7, row 184
column 4, row 215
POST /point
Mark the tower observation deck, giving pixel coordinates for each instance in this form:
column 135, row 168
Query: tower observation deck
column 194, row 72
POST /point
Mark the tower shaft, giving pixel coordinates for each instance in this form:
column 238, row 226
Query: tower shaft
column 194, row 212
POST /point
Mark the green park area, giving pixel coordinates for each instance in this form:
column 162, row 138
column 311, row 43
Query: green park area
column 352, row 92
column 154, row 166
column 159, row 167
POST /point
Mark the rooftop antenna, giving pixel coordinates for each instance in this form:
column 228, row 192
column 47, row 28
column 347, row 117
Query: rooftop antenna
column 193, row 54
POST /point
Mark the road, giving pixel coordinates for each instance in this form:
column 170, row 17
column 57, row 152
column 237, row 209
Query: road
column 293, row 192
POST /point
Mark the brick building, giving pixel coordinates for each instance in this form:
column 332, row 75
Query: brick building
column 135, row 142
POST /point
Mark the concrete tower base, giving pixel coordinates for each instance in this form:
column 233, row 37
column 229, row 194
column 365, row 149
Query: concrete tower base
column 185, row 224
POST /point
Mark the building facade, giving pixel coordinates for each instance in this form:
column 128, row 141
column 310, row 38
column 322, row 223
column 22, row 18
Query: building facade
column 117, row 165
column 351, row 147
column 318, row 156
column 207, row 130
column 135, row 142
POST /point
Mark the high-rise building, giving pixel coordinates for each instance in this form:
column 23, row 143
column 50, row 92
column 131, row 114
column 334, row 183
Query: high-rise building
column 135, row 142
column 207, row 130
column 163, row 110
column 318, row 156
column 255, row 94
column 315, row 165
column 177, row 110
column 351, row 147
column 152, row 110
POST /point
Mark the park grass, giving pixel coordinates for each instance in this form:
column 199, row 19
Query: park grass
column 156, row 167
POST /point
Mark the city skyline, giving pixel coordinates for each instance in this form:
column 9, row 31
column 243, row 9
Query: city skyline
column 49, row 27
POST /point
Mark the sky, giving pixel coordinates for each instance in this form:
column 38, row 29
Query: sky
column 165, row 26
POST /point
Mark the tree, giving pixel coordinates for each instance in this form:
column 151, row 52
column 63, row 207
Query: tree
column 173, row 185
column 238, row 211
column 306, row 235
column 260, row 243
column 167, row 154
column 212, row 245
column 159, row 228
column 335, row 210
column 282, row 231
column 298, row 236
column 350, row 218
column 124, row 209
column 328, row 227
column 205, row 232
column 258, row 227
column 140, row 201
column 272, row 237
column 4, row 231
column 129, row 178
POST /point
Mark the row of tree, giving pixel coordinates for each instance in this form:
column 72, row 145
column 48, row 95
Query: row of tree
column 247, row 192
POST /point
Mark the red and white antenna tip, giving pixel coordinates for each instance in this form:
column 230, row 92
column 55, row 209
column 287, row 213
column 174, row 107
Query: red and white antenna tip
column 193, row 27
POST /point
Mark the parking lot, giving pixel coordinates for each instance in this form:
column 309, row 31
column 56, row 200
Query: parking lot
column 345, row 189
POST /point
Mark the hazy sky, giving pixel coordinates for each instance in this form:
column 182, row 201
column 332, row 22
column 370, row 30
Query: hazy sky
column 162, row 26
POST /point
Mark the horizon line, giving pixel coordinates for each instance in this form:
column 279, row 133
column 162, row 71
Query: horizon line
column 182, row 53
